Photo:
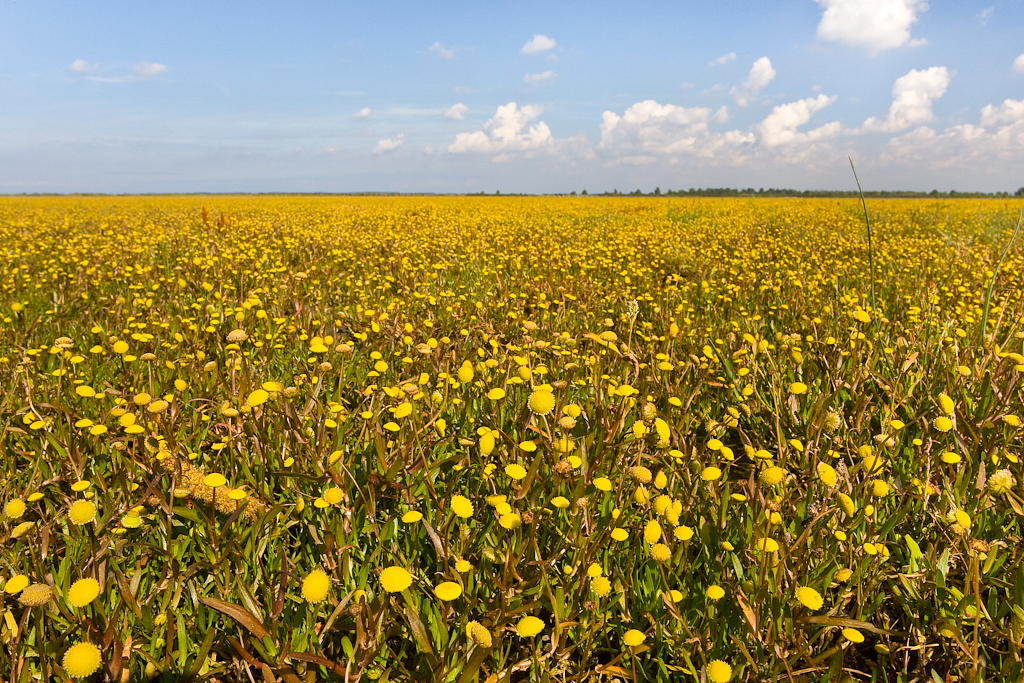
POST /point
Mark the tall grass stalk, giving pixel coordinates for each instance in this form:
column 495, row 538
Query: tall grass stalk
column 867, row 222
column 992, row 282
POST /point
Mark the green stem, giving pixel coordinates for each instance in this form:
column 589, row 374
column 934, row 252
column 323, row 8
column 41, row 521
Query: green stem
column 992, row 282
column 867, row 222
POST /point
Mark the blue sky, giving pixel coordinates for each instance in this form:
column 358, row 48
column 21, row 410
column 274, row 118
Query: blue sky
column 526, row 96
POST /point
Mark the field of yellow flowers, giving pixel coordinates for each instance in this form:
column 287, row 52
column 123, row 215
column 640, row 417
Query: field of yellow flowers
column 510, row 439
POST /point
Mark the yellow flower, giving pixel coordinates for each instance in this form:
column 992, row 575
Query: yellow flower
column 462, row 506
column 82, row 512
column 946, row 404
column 715, row 592
column 710, row 473
column 853, row 635
column 718, row 671
column 1001, row 481
column 770, row 476
column 633, row 637
column 412, row 516
column 847, row 504
column 601, row 586
column 827, row 474
column 35, row 595
column 16, row 584
column 529, row 626
column 81, row 660
column 480, row 635
column 215, row 480
column 943, row 423
column 486, row 443
column 798, row 388
column 660, row 552
column 157, row 406
column 395, row 579
column 510, row 520
column 15, row 508
column 257, row 397
column 447, row 590
column 809, row 598
column 652, row 532
column 542, row 401
column 465, row 373
column 315, row 586
column 83, row 591
column 515, row 471
column 496, row 394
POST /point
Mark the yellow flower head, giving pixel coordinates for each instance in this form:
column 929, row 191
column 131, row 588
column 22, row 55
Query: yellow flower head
column 529, row 626
column 16, row 584
column 827, row 474
column 600, row 586
column 462, row 506
column 479, row 635
column 447, row 590
column 853, row 635
column 82, row 512
column 83, row 591
column 515, row 471
column 81, row 660
column 718, row 671
column 660, row 552
column 633, row 637
column 35, row 595
column 15, row 508
column 316, row 586
column 395, row 579
column 542, row 401
column 809, row 598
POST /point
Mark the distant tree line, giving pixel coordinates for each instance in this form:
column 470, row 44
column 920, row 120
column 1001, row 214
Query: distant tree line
column 789, row 192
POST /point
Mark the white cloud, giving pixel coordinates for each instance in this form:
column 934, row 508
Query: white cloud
column 539, row 43
column 648, row 130
column 1008, row 113
column 539, row 78
column 149, row 69
column 780, row 126
column 723, row 59
column 93, row 72
column 389, row 144
column 963, row 148
column 363, row 113
column 985, row 14
column 441, row 51
column 760, row 75
column 80, row 66
column 912, row 97
column 508, row 131
column 456, row 112
column 875, row 25
column 1018, row 64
